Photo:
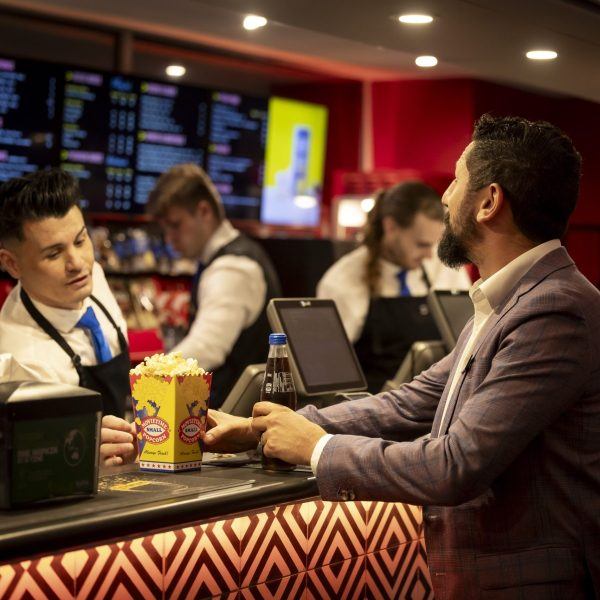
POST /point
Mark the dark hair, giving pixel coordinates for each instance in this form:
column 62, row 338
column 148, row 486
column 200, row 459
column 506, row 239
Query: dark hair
column 402, row 202
column 537, row 167
column 35, row 196
column 184, row 185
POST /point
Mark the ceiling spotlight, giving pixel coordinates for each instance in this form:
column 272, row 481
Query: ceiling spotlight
column 426, row 61
column 254, row 22
column 542, row 54
column 175, row 71
column 415, row 19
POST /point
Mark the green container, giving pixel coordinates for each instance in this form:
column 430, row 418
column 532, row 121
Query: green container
column 49, row 442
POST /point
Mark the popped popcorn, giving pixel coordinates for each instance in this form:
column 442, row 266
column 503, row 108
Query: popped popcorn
column 172, row 364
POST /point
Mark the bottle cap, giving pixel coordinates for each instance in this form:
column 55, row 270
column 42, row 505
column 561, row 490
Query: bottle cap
column 277, row 339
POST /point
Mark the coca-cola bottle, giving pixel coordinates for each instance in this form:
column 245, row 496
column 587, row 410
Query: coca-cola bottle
column 278, row 387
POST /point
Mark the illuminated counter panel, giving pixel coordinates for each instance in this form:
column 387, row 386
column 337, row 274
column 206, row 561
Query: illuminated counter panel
column 310, row 549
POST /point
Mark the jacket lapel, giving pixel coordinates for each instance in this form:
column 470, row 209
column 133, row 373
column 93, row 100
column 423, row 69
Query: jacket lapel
column 554, row 261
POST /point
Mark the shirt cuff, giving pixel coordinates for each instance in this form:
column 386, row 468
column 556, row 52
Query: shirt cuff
column 318, row 450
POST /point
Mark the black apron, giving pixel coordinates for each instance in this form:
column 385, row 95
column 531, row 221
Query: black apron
column 391, row 327
column 110, row 379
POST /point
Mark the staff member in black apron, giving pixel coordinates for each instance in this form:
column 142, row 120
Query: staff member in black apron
column 61, row 322
column 380, row 287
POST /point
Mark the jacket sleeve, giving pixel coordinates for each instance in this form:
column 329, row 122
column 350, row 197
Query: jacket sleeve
column 539, row 370
column 402, row 414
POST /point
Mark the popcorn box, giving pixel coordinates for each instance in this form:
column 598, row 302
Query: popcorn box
column 170, row 416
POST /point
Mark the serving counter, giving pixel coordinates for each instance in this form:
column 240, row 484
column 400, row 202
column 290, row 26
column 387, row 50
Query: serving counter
column 230, row 532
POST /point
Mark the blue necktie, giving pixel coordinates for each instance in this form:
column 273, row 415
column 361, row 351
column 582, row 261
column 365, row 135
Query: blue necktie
column 90, row 322
column 404, row 290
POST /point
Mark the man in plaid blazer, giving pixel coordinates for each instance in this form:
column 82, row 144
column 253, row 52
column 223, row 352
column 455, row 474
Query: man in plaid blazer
column 509, row 471
column 509, row 475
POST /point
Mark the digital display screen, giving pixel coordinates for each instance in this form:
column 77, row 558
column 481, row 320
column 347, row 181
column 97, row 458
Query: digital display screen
column 295, row 159
column 97, row 143
column 117, row 134
column 236, row 149
column 172, row 129
column 320, row 347
column 28, row 117
column 457, row 309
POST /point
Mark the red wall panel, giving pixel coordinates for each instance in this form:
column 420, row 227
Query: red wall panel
column 422, row 125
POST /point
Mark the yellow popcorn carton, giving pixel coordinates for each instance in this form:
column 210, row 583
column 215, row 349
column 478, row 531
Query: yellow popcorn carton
column 170, row 402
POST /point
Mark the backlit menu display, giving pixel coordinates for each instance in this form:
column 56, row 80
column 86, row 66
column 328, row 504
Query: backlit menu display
column 98, row 138
column 172, row 130
column 235, row 153
column 118, row 133
column 28, row 120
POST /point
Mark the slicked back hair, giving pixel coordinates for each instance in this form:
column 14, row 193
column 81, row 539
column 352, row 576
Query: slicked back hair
column 537, row 167
column 184, row 185
column 33, row 197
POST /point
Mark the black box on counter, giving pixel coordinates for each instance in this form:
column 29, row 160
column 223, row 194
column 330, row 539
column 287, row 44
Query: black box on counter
column 49, row 442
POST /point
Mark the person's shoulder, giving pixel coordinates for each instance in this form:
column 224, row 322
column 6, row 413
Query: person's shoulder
column 12, row 301
column 351, row 263
column 346, row 275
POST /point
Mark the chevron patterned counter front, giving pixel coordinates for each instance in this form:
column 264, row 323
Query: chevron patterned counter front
column 308, row 550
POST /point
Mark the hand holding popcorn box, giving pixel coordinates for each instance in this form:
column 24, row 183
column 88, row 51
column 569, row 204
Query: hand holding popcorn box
column 170, row 402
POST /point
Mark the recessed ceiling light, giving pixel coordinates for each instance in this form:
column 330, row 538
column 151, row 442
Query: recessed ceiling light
column 254, row 22
column 175, row 71
column 542, row 54
column 426, row 61
column 415, row 19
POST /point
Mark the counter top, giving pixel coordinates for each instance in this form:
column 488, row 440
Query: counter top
column 131, row 502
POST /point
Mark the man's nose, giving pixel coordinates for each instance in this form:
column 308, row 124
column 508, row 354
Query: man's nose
column 75, row 260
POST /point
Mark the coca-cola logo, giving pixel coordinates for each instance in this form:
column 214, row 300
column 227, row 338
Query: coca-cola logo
column 190, row 430
column 155, row 430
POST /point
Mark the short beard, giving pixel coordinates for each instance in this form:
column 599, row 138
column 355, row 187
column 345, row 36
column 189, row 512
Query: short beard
column 453, row 248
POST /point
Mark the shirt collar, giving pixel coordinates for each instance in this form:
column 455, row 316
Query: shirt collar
column 62, row 319
column 498, row 286
column 222, row 235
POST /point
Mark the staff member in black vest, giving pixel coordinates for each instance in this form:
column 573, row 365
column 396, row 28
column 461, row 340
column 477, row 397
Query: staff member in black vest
column 61, row 321
column 233, row 284
column 380, row 287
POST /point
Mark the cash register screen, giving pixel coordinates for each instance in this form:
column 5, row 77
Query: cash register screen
column 451, row 311
column 321, row 354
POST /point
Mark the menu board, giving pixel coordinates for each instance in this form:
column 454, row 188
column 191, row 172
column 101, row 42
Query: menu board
column 28, row 123
column 235, row 156
column 118, row 133
column 97, row 137
column 172, row 129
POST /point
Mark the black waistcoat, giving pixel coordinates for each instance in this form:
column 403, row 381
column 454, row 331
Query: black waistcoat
column 252, row 346
column 391, row 327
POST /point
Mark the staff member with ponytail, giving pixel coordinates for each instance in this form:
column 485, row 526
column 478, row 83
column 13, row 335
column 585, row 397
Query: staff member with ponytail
column 379, row 288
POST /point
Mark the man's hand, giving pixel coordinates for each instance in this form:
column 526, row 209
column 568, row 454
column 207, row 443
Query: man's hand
column 118, row 441
column 226, row 433
column 284, row 433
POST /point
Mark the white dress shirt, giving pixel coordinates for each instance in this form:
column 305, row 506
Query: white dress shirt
column 231, row 295
column 486, row 296
column 344, row 281
column 38, row 355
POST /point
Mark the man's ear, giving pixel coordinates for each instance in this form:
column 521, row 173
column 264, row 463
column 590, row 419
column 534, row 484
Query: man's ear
column 9, row 263
column 491, row 202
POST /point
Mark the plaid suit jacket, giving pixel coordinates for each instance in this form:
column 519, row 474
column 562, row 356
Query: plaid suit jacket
column 510, row 481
